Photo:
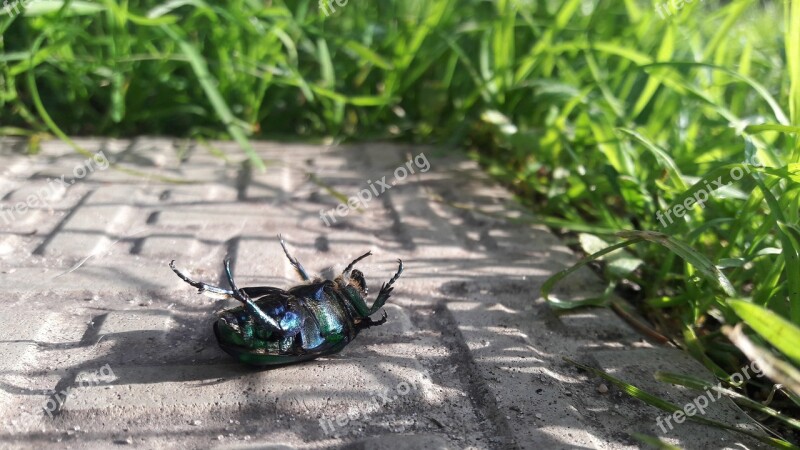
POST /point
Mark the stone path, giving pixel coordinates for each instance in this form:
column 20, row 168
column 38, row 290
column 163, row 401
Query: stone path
column 97, row 332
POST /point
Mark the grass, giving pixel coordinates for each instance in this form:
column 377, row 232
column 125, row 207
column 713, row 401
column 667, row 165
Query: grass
column 599, row 114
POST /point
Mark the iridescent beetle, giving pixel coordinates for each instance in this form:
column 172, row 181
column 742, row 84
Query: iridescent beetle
column 275, row 327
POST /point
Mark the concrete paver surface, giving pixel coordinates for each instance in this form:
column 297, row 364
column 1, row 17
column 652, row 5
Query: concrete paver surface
column 103, row 346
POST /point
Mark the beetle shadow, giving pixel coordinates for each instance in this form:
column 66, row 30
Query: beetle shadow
column 138, row 356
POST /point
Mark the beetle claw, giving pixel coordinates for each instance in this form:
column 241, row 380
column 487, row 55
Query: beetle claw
column 368, row 322
column 386, row 289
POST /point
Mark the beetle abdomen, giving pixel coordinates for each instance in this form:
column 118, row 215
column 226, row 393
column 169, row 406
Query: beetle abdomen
column 309, row 326
column 276, row 327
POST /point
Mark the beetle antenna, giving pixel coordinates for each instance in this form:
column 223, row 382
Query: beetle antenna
column 350, row 267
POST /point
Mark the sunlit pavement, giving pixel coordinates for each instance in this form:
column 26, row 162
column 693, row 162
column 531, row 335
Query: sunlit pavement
column 102, row 345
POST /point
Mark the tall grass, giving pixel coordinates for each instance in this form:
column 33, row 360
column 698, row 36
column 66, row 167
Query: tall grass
column 599, row 114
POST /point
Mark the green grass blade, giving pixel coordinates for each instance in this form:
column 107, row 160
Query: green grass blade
column 758, row 87
column 776, row 330
column 368, row 55
column 548, row 285
column 774, row 367
column 753, row 129
column 655, row 442
column 719, row 178
column 661, row 156
column 791, row 248
column 700, row 385
column 75, row 8
column 792, row 38
column 664, row 405
column 691, row 256
column 214, row 97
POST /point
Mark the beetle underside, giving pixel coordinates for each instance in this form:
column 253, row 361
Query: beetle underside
column 275, row 326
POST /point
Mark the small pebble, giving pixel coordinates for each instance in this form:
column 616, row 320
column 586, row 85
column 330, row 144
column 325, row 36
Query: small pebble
column 197, row 423
column 602, row 388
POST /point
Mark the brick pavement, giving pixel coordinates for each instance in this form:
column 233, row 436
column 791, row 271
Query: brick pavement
column 470, row 356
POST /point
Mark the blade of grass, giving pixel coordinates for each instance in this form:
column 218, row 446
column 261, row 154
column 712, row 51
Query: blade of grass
column 775, row 368
column 655, row 442
column 207, row 82
column 551, row 282
column 691, row 256
column 661, row 156
column 664, row 405
column 776, row 330
column 45, row 116
column 701, row 385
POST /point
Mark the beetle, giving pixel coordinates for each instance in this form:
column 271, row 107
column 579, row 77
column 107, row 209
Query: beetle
column 277, row 327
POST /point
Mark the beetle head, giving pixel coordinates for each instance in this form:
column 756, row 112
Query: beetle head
column 354, row 286
column 357, row 281
column 352, row 280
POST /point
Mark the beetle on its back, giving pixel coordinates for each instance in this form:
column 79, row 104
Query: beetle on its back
column 275, row 326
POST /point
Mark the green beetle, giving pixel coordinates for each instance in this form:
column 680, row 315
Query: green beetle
column 277, row 327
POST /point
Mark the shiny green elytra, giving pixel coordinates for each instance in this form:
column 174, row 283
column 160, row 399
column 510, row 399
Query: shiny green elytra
column 276, row 327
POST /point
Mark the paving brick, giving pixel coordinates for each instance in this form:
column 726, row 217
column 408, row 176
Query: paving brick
column 129, row 321
column 599, row 325
column 167, row 245
column 90, row 287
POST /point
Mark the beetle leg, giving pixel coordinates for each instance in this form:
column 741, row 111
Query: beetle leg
column 262, row 318
column 350, row 267
column 203, row 288
column 294, row 262
column 367, row 322
column 357, row 301
column 386, row 290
